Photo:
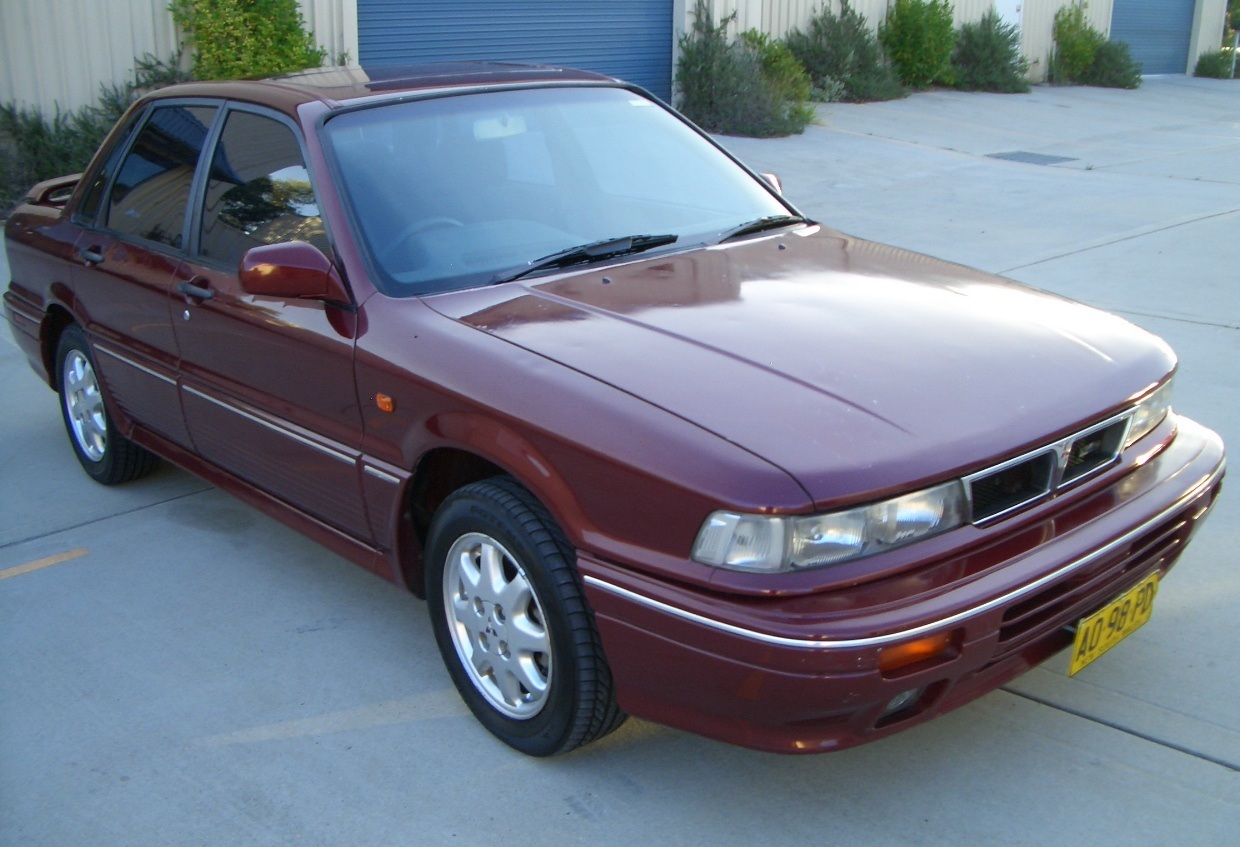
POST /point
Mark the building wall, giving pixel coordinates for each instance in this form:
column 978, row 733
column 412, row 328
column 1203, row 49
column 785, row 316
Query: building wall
column 1207, row 29
column 56, row 53
column 777, row 17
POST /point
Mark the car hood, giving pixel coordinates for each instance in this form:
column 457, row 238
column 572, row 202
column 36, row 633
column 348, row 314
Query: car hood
column 859, row 368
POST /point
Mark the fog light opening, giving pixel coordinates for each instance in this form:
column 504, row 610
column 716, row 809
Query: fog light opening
column 891, row 659
column 901, row 702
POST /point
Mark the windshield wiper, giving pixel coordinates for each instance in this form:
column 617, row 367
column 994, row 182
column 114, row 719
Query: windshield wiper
column 760, row 224
column 583, row 254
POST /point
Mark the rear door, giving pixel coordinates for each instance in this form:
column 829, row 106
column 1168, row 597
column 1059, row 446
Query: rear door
column 135, row 215
column 267, row 384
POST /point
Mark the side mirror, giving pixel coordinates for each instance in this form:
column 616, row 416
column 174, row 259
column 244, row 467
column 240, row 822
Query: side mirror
column 292, row 270
column 773, row 181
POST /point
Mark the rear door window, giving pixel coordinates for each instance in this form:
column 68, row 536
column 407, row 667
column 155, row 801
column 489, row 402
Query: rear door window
column 149, row 198
column 93, row 199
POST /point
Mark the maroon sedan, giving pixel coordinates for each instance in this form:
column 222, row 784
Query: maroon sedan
column 647, row 439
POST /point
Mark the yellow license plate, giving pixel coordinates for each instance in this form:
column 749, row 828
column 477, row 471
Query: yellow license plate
column 1113, row 623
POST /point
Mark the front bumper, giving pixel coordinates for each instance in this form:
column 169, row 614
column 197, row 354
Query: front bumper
column 801, row 674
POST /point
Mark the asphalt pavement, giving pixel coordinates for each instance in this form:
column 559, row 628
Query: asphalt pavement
column 178, row 669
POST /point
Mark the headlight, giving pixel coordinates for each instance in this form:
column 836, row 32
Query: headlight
column 768, row 545
column 1150, row 413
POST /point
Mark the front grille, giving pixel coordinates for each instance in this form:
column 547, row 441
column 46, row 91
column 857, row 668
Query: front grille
column 997, row 492
column 1094, row 450
column 1027, row 479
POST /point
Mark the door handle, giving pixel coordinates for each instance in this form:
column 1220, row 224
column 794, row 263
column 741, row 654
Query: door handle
column 197, row 292
column 91, row 255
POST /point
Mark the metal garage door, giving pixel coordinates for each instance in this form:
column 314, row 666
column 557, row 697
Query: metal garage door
column 630, row 39
column 1158, row 31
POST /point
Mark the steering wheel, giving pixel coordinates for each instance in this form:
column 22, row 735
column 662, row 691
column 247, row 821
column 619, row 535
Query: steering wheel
column 420, row 225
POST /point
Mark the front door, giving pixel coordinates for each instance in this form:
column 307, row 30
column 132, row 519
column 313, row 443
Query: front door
column 267, row 384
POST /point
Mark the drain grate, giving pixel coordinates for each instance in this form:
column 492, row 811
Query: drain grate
column 1030, row 158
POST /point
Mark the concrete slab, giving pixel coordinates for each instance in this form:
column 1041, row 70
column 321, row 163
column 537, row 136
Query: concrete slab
column 891, row 184
column 49, row 473
column 201, row 675
column 242, row 685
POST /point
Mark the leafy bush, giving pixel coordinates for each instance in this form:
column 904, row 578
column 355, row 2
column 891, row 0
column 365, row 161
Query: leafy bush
column 1113, row 67
column 1076, row 43
column 788, row 77
column 41, row 148
column 827, row 90
column 13, row 180
column 238, row 39
column 840, row 52
column 1083, row 55
column 919, row 38
column 988, row 57
column 1216, row 64
column 725, row 87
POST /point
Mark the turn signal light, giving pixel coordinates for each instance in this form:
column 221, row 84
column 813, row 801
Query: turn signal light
column 911, row 652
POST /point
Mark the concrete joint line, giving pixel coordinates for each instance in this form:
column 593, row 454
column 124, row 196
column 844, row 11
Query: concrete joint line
column 94, row 521
column 1119, row 239
column 1127, row 730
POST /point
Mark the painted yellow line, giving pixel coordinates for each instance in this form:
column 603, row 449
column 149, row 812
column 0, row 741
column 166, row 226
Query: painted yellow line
column 39, row 564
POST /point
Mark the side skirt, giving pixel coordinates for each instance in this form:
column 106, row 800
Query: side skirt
column 381, row 563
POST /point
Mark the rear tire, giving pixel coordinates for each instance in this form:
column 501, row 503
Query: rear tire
column 106, row 455
column 512, row 623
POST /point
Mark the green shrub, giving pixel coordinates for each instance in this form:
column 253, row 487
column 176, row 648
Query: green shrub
column 238, row 39
column 841, row 53
column 787, row 76
column 1083, row 55
column 726, row 87
column 1113, row 67
column 919, row 38
column 13, row 180
column 1216, row 64
column 1076, row 43
column 40, row 148
column 988, row 57
column 827, row 90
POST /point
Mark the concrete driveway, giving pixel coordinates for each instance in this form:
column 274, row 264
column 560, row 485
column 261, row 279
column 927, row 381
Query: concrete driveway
column 190, row 672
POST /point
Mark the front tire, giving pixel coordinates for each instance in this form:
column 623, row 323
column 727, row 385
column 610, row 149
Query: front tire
column 106, row 455
column 512, row 623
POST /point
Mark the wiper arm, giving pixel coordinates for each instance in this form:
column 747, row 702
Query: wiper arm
column 760, row 224
column 583, row 254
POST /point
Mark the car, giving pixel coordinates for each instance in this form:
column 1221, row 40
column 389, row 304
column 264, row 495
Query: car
column 647, row 440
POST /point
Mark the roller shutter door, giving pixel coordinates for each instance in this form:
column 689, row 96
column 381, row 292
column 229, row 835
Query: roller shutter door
column 630, row 39
column 1158, row 31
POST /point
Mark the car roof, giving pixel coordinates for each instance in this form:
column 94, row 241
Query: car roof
column 340, row 85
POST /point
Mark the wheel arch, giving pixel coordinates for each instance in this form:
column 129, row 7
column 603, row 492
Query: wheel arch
column 56, row 321
column 488, row 449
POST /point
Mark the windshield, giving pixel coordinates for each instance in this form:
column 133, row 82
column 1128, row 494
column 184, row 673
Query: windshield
column 459, row 191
